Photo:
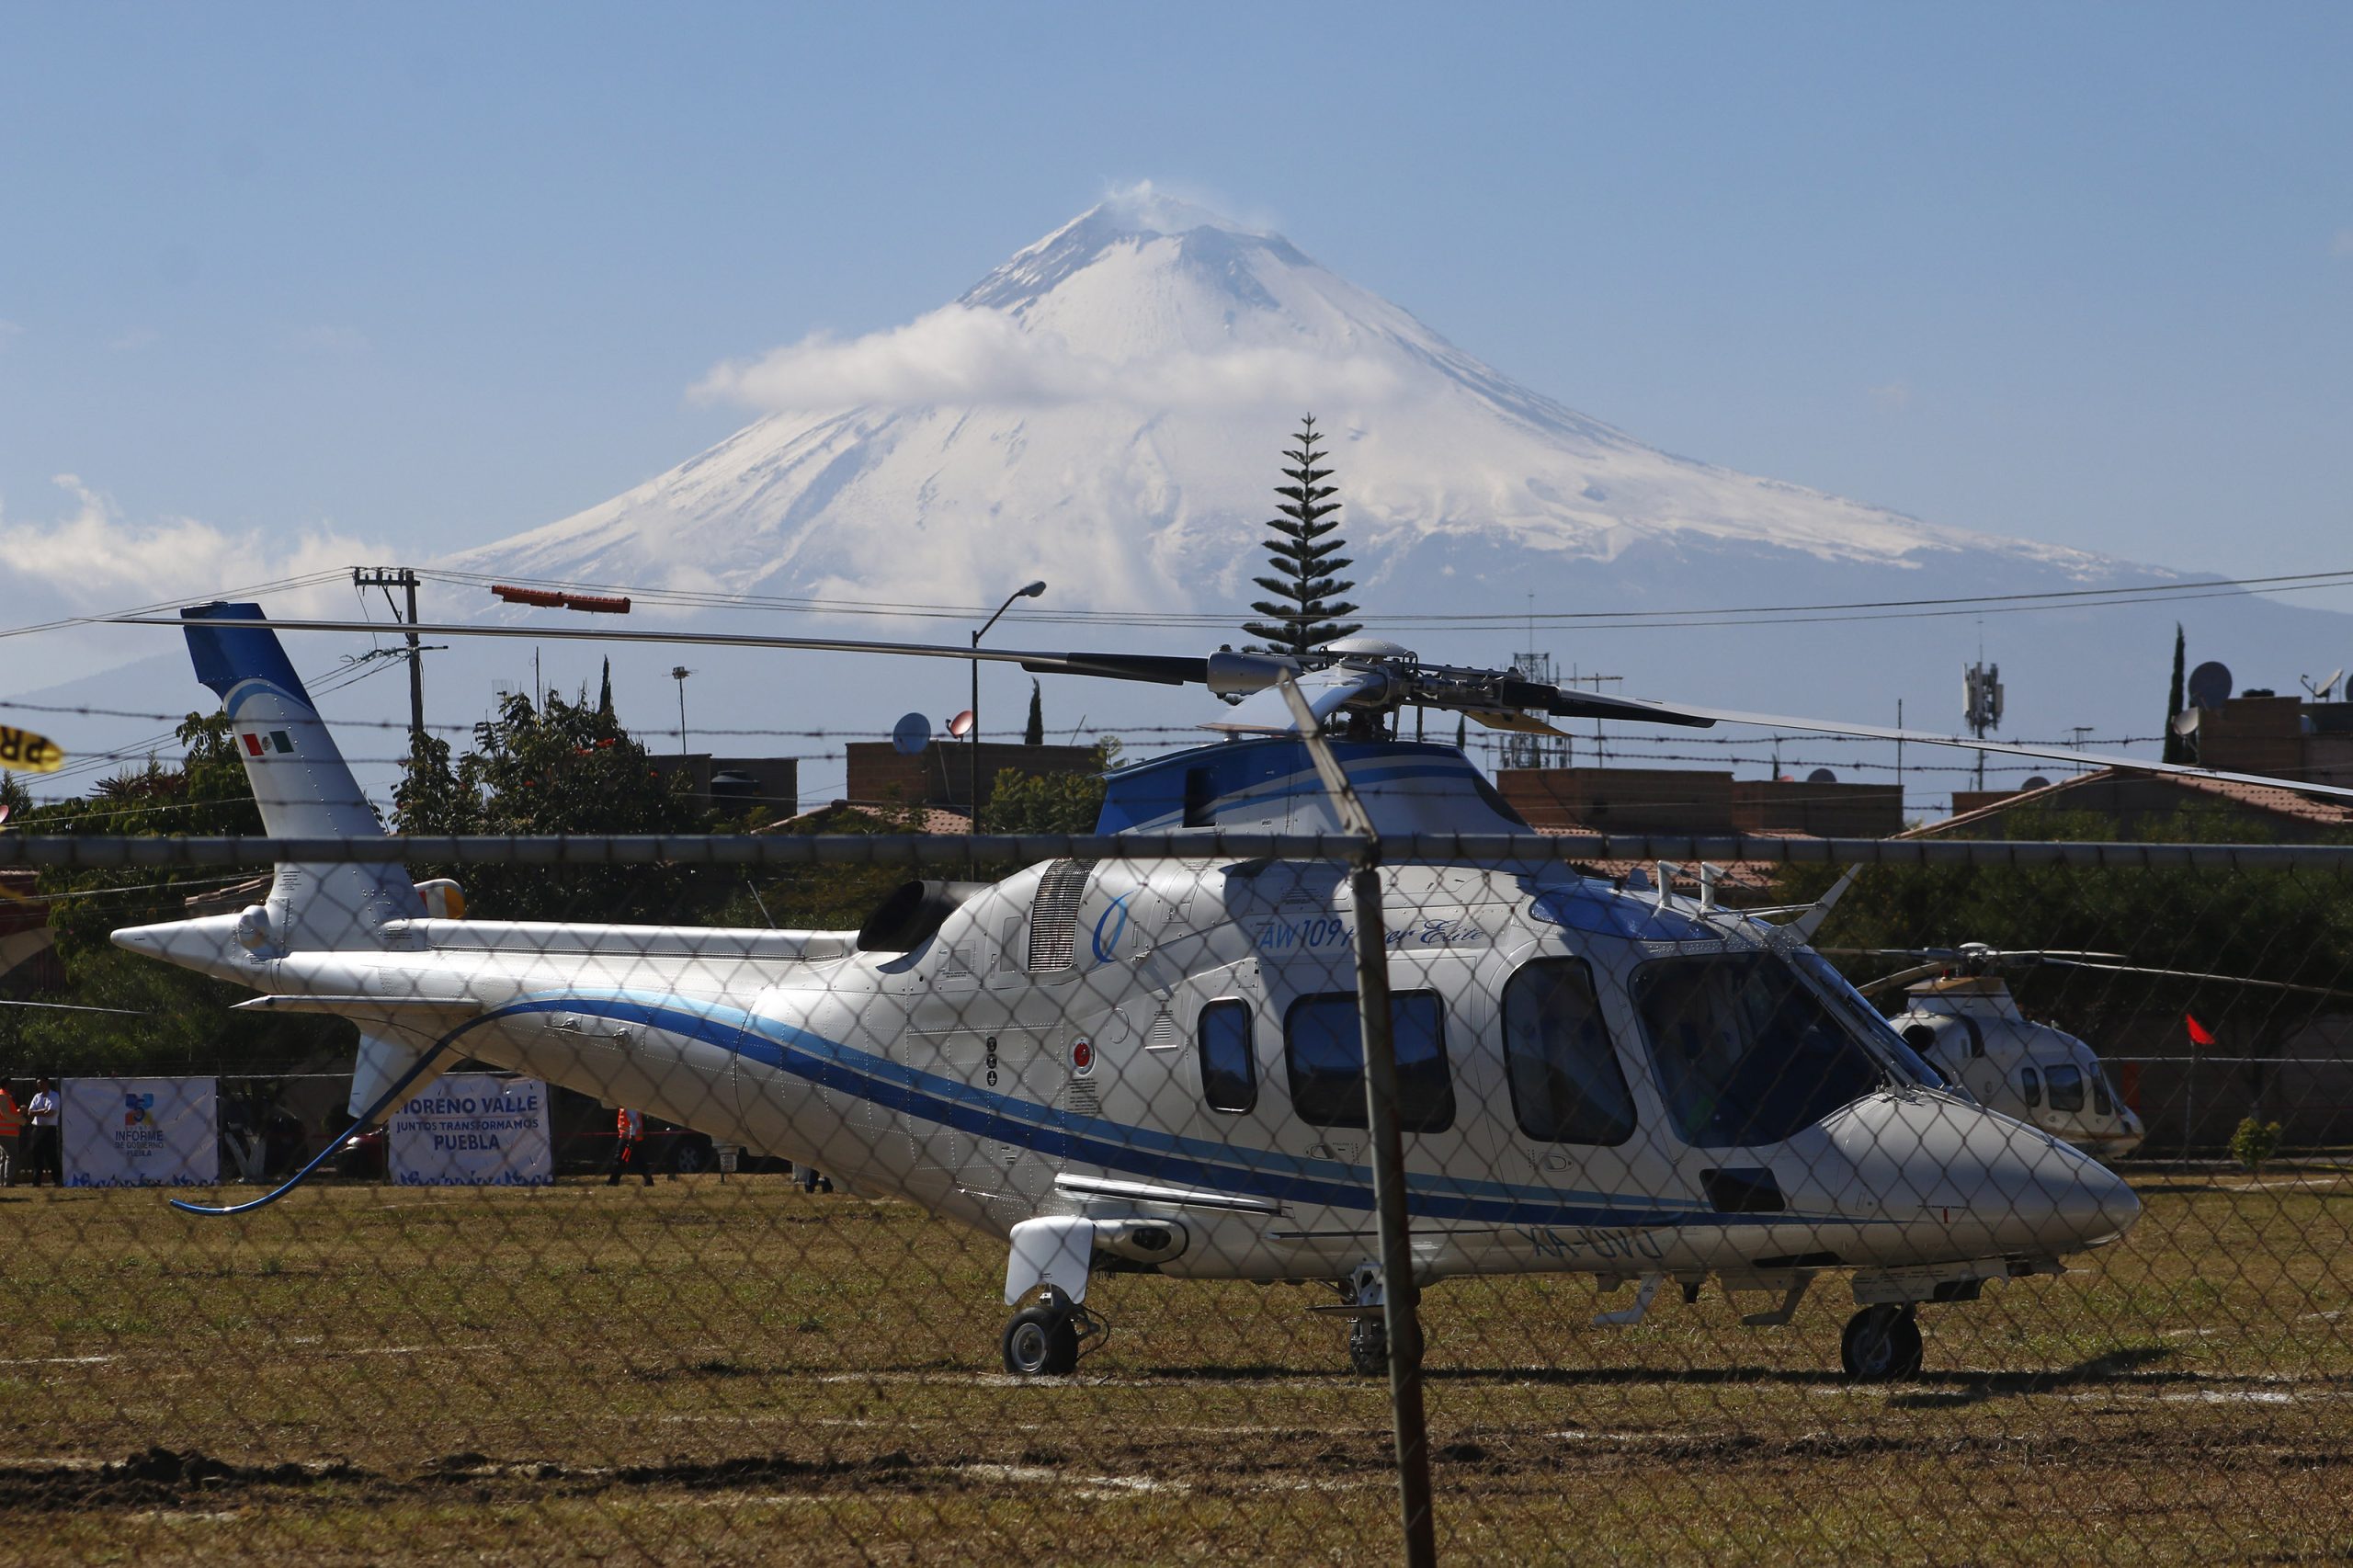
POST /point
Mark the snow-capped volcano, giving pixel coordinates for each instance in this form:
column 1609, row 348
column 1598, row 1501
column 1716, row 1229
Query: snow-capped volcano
column 1107, row 408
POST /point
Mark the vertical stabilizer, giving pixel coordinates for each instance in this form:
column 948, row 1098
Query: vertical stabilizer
column 305, row 790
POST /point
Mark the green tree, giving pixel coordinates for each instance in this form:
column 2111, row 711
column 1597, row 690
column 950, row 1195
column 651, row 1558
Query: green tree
column 1034, row 732
column 1303, row 607
column 1052, row 802
column 2176, row 746
column 562, row 766
column 164, row 1019
column 2253, row 1144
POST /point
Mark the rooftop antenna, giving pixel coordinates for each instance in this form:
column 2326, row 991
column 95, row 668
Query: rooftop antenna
column 1981, row 703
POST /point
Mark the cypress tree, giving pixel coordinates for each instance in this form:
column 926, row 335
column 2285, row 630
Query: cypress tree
column 2176, row 746
column 605, row 696
column 1303, row 607
column 1035, row 734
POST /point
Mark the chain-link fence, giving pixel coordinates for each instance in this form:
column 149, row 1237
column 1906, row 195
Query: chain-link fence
column 1018, row 1200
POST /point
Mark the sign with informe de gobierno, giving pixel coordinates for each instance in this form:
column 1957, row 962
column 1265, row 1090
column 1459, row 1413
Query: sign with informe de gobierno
column 139, row 1131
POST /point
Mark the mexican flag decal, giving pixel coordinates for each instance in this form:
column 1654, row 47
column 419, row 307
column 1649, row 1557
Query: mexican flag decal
column 262, row 742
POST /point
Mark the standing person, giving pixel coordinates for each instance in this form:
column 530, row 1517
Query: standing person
column 42, row 1149
column 629, row 1146
column 12, row 1125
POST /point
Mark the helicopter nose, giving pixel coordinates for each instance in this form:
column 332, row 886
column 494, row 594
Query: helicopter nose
column 2110, row 1207
column 1983, row 1179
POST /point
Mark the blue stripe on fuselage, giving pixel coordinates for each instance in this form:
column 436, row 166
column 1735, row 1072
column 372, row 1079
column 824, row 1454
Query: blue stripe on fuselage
column 1093, row 1140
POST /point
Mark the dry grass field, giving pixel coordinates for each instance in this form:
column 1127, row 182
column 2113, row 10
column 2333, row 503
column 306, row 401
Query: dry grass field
column 737, row 1372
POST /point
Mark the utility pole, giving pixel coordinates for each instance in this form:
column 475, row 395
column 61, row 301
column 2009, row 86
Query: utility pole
column 388, row 578
column 679, row 673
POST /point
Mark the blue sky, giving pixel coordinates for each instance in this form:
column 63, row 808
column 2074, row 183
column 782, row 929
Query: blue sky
column 435, row 274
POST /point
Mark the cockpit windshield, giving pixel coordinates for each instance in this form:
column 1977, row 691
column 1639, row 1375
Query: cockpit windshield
column 1877, row 1031
column 1743, row 1051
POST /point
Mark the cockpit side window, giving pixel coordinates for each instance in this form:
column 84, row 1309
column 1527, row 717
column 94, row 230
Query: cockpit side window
column 2030, row 1085
column 2102, row 1101
column 2066, row 1081
column 1566, row 1085
column 1323, row 1050
column 1229, row 1064
column 1744, row 1053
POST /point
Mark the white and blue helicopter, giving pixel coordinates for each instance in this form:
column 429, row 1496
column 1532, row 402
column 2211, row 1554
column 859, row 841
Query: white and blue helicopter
column 1155, row 1064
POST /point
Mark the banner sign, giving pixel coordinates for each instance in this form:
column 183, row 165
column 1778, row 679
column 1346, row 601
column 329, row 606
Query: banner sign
column 139, row 1131
column 472, row 1129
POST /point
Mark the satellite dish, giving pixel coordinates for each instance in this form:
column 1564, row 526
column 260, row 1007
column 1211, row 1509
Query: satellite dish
column 2210, row 684
column 2037, row 782
column 2186, row 721
column 1821, row 775
column 961, row 725
column 911, row 734
column 2323, row 691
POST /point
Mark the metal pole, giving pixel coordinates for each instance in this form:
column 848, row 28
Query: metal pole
column 972, row 746
column 1400, row 1296
column 415, row 676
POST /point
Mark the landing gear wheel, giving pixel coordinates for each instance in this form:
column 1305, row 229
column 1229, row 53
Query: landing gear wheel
column 1368, row 1347
column 1041, row 1342
column 1881, row 1345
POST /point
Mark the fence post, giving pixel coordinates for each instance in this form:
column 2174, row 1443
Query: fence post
column 1400, row 1297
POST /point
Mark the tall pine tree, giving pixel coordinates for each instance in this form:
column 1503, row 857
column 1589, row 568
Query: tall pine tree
column 2176, row 746
column 1033, row 734
column 1303, row 609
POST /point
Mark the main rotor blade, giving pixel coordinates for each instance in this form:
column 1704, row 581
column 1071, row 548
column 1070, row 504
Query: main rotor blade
column 2014, row 748
column 1901, row 977
column 1626, row 710
column 1165, row 670
column 2193, row 975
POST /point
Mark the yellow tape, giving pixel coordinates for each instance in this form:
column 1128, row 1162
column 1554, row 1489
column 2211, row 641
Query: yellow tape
column 28, row 752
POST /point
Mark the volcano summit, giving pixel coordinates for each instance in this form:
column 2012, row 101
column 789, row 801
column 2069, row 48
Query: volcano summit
column 1106, row 408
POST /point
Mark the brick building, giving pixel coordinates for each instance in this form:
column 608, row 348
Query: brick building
column 1692, row 802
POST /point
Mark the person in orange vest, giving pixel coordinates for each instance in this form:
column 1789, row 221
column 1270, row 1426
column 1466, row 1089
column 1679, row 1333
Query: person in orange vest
column 12, row 1124
column 629, row 1147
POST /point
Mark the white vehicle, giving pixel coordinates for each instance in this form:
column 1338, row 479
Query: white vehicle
column 1970, row 1029
column 1154, row 1064
column 1964, row 1022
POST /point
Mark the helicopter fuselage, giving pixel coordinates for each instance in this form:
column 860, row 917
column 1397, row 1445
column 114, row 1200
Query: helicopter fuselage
column 1170, row 1045
column 1977, row 1036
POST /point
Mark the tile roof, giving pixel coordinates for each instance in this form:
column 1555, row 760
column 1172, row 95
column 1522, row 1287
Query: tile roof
column 2271, row 800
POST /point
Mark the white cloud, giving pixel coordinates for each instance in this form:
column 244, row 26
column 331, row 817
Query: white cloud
column 92, row 559
column 1894, row 396
column 2341, row 244
column 960, row 355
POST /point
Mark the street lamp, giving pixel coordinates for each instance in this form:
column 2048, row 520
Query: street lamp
column 1029, row 591
column 679, row 673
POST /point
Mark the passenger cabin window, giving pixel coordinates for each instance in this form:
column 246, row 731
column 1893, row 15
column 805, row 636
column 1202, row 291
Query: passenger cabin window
column 1323, row 1050
column 2066, row 1086
column 1566, row 1085
column 1742, row 1052
column 2029, row 1085
column 1229, row 1065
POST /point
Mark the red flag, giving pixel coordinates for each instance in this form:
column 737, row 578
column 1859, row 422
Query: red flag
column 2199, row 1033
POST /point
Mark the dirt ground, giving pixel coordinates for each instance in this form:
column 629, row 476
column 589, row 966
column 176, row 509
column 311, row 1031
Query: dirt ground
column 738, row 1371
